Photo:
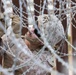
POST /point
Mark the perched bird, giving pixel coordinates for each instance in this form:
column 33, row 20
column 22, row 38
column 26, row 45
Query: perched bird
column 53, row 28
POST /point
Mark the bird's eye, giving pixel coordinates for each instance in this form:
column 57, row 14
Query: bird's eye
column 36, row 32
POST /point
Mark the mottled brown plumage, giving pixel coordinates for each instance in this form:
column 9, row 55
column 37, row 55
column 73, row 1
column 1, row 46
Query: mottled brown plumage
column 15, row 25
